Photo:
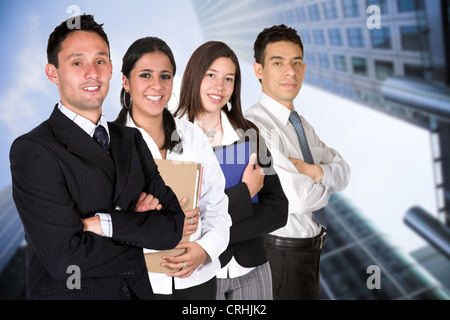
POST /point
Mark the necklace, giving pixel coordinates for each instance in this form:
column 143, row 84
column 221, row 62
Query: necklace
column 211, row 132
column 159, row 137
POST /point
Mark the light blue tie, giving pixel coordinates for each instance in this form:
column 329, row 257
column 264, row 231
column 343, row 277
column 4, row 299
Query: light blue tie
column 319, row 216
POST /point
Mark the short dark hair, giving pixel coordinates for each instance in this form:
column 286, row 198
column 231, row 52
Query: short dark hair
column 61, row 32
column 274, row 34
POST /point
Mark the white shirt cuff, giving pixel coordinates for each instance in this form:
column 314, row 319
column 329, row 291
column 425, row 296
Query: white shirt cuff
column 106, row 223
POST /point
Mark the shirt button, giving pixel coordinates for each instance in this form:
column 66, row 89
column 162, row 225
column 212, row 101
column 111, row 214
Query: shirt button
column 117, row 208
column 124, row 288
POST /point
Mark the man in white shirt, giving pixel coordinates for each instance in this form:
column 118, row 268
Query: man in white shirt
column 294, row 250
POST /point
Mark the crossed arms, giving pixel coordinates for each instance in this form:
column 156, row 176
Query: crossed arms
column 52, row 198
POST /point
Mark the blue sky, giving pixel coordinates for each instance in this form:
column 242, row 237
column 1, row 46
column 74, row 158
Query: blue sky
column 390, row 159
column 27, row 96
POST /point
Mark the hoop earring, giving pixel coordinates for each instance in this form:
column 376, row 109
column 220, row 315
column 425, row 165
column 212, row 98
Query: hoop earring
column 229, row 106
column 176, row 99
column 124, row 100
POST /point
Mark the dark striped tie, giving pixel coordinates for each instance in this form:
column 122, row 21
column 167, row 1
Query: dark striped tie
column 101, row 136
column 319, row 216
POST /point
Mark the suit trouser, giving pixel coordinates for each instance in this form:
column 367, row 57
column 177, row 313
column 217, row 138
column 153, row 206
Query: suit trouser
column 255, row 285
column 295, row 273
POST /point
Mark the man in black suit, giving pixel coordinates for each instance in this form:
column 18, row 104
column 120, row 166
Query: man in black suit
column 78, row 200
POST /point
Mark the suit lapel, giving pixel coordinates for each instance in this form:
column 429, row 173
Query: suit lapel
column 121, row 152
column 80, row 143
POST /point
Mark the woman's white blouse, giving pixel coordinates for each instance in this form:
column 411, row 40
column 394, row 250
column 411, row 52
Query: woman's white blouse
column 214, row 223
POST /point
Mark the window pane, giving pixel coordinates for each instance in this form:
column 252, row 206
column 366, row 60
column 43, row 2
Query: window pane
column 381, row 38
column 410, row 5
column 380, row 3
column 411, row 38
column 310, row 58
column 314, row 13
column 305, row 36
column 350, row 8
column 359, row 66
column 319, row 37
column 384, row 69
column 335, row 37
column 355, row 37
column 324, row 61
column 414, row 71
column 329, row 9
column 339, row 62
column 301, row 14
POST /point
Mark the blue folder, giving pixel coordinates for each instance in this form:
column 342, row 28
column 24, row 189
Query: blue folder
column 233, row 160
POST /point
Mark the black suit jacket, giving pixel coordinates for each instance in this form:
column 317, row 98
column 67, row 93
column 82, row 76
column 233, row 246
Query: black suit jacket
column 250, row 221
column 60, row 175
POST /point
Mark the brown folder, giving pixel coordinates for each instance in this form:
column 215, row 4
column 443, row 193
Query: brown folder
column 184, row 178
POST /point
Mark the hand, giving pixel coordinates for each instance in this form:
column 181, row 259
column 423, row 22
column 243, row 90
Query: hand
column 253, row 176
column 192, row 259
column 147, row 202
column 313, row 171
column 191, row 220
column 93, row 225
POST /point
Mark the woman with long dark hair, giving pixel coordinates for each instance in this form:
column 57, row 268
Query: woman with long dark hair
column 148, row 70
column 210, row 98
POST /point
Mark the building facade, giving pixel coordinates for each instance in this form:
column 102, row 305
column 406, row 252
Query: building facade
column 351, row 46
column 389, row 55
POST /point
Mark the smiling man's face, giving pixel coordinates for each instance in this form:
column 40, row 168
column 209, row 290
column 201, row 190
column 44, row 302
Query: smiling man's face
column 84, row 71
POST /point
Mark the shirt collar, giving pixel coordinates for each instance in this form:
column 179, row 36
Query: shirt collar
column 277, row 109
column 229, row 134
column 82, row 122
column 147, row 138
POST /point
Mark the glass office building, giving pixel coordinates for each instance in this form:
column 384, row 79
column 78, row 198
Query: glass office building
column 11, row 229
column 12, row 249
column 392, row 56
column 354, row 246
column 351, row 49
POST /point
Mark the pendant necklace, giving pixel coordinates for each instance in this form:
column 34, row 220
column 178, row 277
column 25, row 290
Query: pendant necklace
column 157, row 139
column 211, row 132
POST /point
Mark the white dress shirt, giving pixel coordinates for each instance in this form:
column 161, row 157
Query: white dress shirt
column 87, row 125
column 233, row 269
column 304, row 195
column 213, row 233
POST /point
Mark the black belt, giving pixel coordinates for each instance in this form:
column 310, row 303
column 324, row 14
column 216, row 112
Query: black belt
column 296, row 243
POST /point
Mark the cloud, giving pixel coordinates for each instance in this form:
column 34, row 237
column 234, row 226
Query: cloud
column 19, row 105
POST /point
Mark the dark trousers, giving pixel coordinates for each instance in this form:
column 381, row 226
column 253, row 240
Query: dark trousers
column 295, row 273
column 204, row 291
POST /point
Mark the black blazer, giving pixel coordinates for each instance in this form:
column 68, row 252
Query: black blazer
column 60, row 175
column 250, row 221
